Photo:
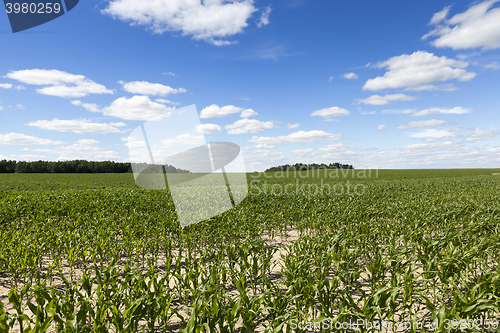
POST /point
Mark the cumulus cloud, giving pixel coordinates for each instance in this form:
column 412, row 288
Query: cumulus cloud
column 19, row 139
column 431, row 133
column 418, row 69
column 332, row 147
column 20, row 106
column 432, row 87
column 296, row 137
column 5, row 85
column 215, row 111
column 244, row 126
column 478, row 134
column 137, row 108
column 79, row 126
column 59, row 83
column 264, row 146
column 350, row 76
column 292, row 126
column 433, row 146
column 440, row 16
column 382, row 128
column 304, row 151
column 183, row 139
column 493, row 65
column 87, row 106
column 165, row 101
column 477, row 27
column 421, row 124
column 150, row 89
column 330, row 112
column 248, row 113
column 208, row 128
column 203, row 20
column 427, row 112
column 386, row 99
column 86, row 149
column 264, row 17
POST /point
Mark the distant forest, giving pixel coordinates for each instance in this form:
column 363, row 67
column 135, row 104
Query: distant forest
column 314, row 166
column 78, row 166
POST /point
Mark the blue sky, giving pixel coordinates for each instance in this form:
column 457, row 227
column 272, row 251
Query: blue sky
column 376, row 84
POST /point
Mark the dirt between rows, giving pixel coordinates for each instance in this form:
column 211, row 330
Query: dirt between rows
column 282, row 245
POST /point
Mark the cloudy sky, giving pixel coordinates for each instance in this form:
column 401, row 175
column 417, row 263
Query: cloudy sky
column 376, row 84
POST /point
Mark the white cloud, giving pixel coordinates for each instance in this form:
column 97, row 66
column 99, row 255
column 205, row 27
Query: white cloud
column 20, row 106
column 304, row 151
column 332, row 147
column 264, row 146
column 204, row 20
column 20, row 87
column 88, row 106
column 244, row 126
column 431, row 133
column 292, row 126
column 183, row 139
column 421, row 124
column 264, row 18
column 247, row 113
column 150, row 89
column 382, row 128
column 168, row 73
column 76, row 126
column 25, row 140
column 386, row 99
column 40, row 150
column 330, row 79
column 331, row 112
column 165, row 101
column 478, row 26
column 215, row 111
column 209, row 128
column 86, row 149
column 59, row 83
column 5, row 85
column 136, row 108
column 418, row 69
column 427, row 112
column 350, row 76
column 432, row 87
column 478, row 134
column 440, row 16
column 493, row 65
column 296, row 137
column 433, row 146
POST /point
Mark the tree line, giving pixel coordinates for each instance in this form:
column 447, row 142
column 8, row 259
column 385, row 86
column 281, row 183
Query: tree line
column 314, row 166
column 76, row 166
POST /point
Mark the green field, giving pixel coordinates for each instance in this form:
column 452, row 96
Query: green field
column 94, row 253
column 48, row 181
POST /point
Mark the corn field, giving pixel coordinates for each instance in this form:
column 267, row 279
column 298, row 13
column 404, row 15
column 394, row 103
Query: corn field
column 116, row 260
